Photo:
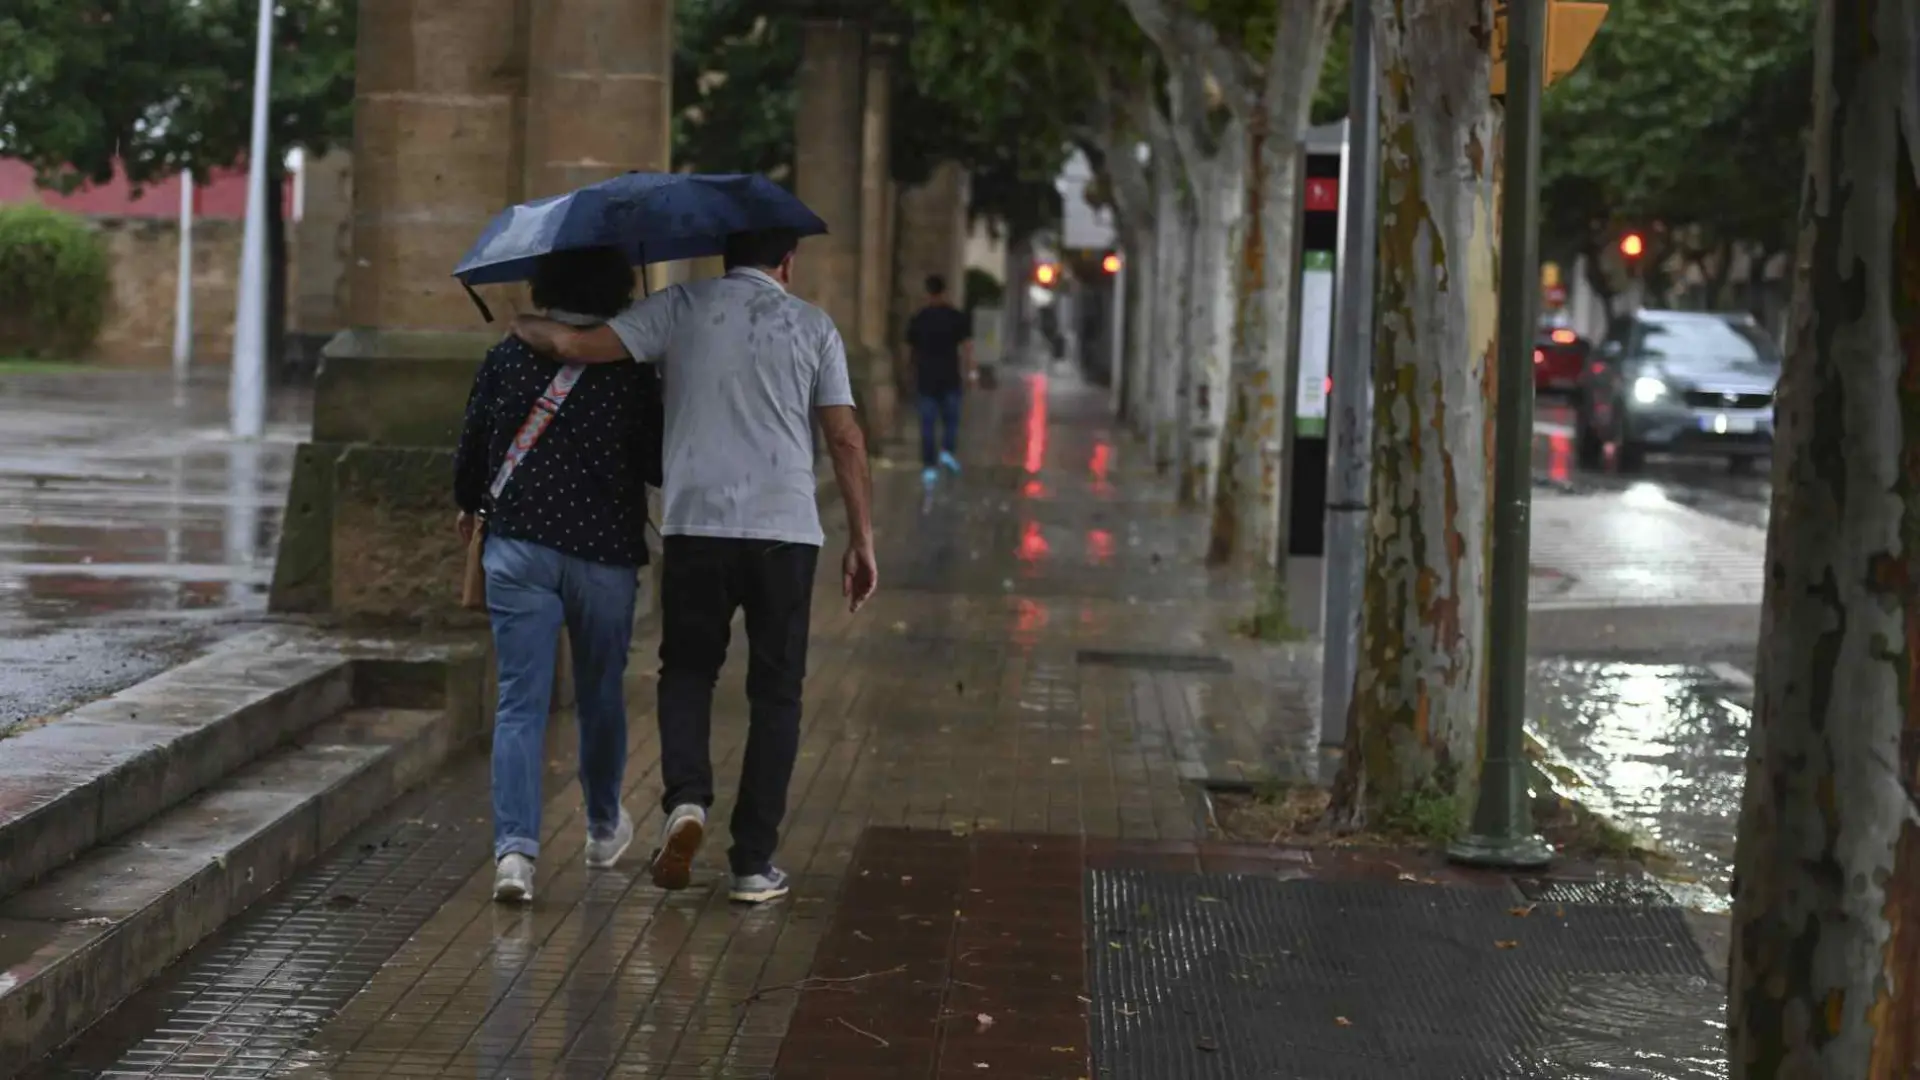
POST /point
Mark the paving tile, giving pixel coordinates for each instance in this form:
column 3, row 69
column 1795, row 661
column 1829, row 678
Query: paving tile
column 958, row 768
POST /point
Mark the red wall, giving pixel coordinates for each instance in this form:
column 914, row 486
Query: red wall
column 224, row 197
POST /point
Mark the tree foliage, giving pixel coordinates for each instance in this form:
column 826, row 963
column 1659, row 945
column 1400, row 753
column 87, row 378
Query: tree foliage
column 155, row 86
column 735, row 64
column 1684, row 114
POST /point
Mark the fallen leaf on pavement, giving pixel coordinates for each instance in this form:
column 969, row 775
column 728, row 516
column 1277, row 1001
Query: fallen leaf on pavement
column 1061, row 761
column 1522, row 911
column 1206, row 1044
column 1342, row 1021
column 982, row 1022
column 1506, row 944
column 1209, row 899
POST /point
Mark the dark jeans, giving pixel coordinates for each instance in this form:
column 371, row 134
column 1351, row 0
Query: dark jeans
column 944, row 410
column 704, row 580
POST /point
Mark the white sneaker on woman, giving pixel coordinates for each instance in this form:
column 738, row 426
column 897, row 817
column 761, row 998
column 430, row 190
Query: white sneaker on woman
column 513, row 879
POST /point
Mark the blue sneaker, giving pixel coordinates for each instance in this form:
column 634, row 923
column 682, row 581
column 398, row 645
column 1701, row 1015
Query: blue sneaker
column 929, row 475
column 950, row 463
column 759, row 888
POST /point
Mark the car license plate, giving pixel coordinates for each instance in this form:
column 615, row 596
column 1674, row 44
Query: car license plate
column 1730, row 424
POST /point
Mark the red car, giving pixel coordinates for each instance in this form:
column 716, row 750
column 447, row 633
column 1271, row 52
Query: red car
column 1558, row 357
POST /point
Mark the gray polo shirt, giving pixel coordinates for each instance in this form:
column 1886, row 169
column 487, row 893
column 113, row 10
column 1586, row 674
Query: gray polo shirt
column 743, row 364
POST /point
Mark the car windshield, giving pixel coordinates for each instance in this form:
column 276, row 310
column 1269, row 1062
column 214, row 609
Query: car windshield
column 1708, row 339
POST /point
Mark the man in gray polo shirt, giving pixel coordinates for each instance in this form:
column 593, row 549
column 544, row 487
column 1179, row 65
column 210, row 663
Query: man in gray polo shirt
column 746, row 369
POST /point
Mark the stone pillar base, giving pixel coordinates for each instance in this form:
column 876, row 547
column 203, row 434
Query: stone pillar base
column 368, row 537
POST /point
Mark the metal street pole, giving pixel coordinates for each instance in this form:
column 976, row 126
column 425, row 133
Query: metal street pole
column 1350, row 406
column 247, row 392
column 183, row 289
column 1502, row 833
column 1117, row 336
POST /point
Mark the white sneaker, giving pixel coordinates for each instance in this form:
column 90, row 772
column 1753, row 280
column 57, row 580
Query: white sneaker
column 513, row 880
column 604, row 851
column 679, row 842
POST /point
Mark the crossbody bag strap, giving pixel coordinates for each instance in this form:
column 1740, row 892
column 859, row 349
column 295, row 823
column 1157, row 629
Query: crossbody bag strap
column 537, row 420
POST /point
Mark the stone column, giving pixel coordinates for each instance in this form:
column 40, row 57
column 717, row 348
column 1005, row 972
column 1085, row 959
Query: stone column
column 827, row 142
column 435, row 152
column 599, row 87
column 876, row 256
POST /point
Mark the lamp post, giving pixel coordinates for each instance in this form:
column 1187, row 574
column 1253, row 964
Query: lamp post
column 1350, row 405
column 1502, row 831
column 183, row 289
column 247, row 392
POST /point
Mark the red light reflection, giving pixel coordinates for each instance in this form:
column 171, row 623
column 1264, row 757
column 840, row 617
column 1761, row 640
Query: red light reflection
column 1037, row 425
column 1560, row 457
column 1034, row 489
column 1033, row 545
column 1099, row 546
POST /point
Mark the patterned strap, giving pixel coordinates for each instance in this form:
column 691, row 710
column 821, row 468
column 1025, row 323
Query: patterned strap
column 537, row 420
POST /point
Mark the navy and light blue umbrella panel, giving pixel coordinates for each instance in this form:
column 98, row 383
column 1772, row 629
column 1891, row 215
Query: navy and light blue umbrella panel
column 652, row 217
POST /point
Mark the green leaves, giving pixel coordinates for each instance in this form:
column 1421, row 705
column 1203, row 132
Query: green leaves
column 160, row 85
column 1686, row 113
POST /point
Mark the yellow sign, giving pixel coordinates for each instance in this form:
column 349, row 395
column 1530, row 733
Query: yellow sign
column 1549, row 274
column 1571, row 25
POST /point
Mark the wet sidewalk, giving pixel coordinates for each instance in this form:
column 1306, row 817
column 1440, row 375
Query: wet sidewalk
column 133, row 530
column 1000, row 861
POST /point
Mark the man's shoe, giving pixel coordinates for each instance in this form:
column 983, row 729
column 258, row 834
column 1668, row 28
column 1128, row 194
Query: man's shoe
column 759, row 888
column 513, row 879
column 950, row 463
column 928, row 475
column 673, row 864
column 604, row 851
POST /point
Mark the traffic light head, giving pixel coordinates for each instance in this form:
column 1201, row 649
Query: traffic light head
column 1633, row 245
column 1046, row 274
column 1111, row 264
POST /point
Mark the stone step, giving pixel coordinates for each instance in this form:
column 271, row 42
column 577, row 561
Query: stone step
column 96, row 930
column 88, row 776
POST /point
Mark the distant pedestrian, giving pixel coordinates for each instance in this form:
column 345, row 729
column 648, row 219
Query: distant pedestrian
column 747, row 368
column 556, row 459
column 941, row 339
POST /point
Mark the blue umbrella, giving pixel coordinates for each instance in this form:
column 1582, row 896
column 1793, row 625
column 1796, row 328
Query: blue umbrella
column 653, row 217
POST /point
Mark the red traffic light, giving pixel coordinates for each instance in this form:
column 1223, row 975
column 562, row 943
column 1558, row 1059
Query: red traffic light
column 1633, row 245
column 1111, row 264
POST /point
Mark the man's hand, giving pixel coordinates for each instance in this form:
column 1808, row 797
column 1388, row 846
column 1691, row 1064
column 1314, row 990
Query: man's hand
column 859, row 575
column 464, row 525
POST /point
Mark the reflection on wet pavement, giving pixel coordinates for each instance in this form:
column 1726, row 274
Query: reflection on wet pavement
column 131, row 528
column 1664, row 747
column 1705, row 484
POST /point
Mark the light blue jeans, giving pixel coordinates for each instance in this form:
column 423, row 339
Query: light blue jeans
column 532, row 591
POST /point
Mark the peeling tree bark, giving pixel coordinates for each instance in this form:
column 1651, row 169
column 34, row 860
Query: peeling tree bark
column 1246, row 506
column 1173, row 227
column 1825, row 976
column 1417, row 698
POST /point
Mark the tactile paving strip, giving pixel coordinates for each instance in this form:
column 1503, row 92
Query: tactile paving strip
column 1240, row 976
column 244, row 1005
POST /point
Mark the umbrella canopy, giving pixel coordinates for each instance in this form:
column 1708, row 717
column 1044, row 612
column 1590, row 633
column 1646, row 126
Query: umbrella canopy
column 653, row 217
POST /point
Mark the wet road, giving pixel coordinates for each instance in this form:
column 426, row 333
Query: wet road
column 1663, row 744
column 132, row 529
column 1707, row 484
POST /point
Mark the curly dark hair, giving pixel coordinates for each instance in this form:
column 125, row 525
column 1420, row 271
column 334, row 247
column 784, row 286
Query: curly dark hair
column 595, row 281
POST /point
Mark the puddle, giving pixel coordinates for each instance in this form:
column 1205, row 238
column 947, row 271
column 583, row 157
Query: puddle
column 1664, row 747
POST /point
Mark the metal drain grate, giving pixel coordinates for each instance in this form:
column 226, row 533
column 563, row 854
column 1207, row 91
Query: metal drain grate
column 1241, row 976
column 1204, row 663
column 1624, row 892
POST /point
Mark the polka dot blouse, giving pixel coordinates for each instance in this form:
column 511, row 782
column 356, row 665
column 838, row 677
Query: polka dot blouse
column 580, row 491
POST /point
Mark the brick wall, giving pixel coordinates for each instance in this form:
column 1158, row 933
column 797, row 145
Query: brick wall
column 144, row 254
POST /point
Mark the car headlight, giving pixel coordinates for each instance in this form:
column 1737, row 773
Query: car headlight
column 1647, row 391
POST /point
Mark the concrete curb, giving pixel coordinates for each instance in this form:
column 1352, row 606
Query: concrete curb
column 354, row 724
